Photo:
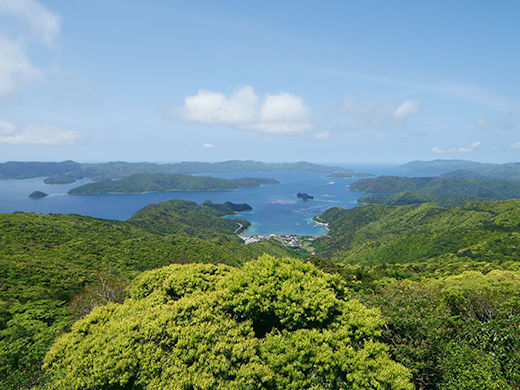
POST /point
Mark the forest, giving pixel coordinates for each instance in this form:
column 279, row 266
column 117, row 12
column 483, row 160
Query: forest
column 394, row 297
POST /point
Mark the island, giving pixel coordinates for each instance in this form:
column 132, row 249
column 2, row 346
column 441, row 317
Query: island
column 156, row 182
column 38, row 195
column 304, row 196
column 63, row 179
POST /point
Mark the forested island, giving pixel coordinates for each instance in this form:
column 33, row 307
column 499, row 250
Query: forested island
column 156, row 182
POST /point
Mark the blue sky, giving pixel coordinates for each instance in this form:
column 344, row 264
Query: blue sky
column 327, row 82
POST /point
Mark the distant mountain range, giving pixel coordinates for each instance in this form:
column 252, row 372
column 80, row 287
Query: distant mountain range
column 462, row 168
column 69, row 171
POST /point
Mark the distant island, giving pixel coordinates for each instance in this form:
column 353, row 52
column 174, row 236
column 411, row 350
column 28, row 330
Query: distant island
column 462, row 168
column 304, row 196
column 157, row 182
column 38, row 195
column 474, row 189
column 71, row 170
column 60, row 180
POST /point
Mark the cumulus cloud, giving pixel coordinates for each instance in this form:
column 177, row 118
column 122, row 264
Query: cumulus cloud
column 281, row 113
column 36, row 135
column 382, row 116
column 206, row 145
column 462, row 149
column 24, row 23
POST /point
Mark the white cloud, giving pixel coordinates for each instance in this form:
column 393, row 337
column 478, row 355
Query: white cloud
column 23, row 23
column 463, row 149
column 281, row 113
column 405, row 110
column 383, row 116
column 505, row 123
column 36, row 135
column 514, row 146
column 206, row 145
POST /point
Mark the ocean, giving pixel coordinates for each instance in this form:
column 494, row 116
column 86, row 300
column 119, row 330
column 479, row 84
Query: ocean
column 276, row 209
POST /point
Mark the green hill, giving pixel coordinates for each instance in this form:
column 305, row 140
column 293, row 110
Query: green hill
column 508, row 171
column 425, row 239
column 440, row 186
column 185, row 217
column 408, row 197
column 156, row 182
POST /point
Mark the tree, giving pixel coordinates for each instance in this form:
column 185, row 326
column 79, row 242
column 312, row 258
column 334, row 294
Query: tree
column 274, row 324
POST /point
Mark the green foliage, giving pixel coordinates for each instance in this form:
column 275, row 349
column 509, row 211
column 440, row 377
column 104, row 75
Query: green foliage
column 29, row 333
column 275, row 324
column 469, row 369
column 417, row 328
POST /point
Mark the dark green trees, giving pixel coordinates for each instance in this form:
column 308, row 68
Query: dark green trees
column 274, row 324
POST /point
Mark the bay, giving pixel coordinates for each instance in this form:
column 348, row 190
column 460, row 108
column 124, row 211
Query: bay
column 276, row 209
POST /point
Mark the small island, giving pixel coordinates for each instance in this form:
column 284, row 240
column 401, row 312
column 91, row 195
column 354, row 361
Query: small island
column 60, row 180
column 304, row 196
column 38, row 195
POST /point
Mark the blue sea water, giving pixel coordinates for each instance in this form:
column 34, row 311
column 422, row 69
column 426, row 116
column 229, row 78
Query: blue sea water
column 276, row 209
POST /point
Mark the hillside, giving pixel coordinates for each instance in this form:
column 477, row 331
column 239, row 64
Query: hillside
column 408, row 197
column 156, row 182
column 447, row 281
column 508, row 171
column 47, row 261
column 440, row 186
column 425, row 239
column 185, row 217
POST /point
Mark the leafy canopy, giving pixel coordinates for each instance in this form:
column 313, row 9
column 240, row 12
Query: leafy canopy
column 274, row 324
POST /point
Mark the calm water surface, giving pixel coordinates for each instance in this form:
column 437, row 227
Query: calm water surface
column 276, row 209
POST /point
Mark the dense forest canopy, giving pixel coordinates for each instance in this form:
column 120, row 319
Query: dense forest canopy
column 274, row 324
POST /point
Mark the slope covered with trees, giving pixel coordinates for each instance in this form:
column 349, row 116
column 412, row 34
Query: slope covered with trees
column 47, row 261
column 447, row 281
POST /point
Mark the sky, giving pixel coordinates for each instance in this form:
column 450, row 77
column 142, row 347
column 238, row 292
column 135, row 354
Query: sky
column 275, row 81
